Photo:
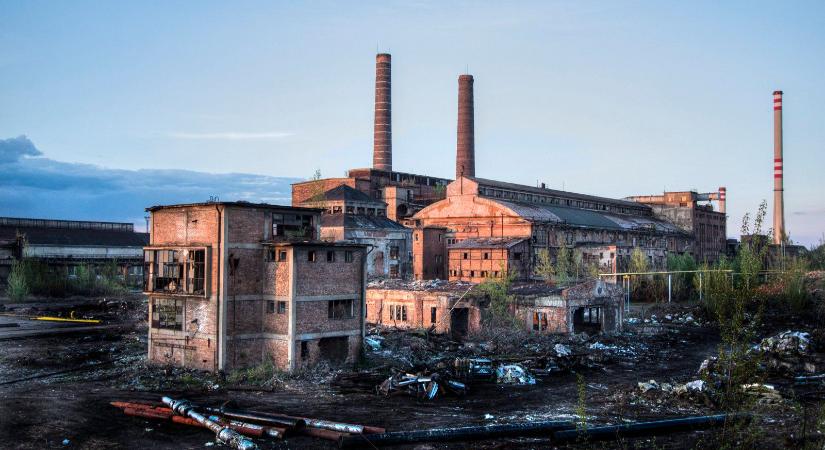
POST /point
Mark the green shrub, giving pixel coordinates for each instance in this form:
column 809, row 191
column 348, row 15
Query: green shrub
column 18, row 286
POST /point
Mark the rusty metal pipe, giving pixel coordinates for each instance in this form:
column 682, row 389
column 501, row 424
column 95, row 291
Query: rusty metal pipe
column 255, row 416
column 612, row 432
column 224, row 434
column 322, row 433
column 453, row 434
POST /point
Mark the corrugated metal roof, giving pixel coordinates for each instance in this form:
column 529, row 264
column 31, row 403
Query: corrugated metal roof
column 586, row 217
column 488, row 242
column 553, row 192
column 76, row 237
column 361, row 221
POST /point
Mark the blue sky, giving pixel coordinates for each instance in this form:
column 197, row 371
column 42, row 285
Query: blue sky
column 607, row 98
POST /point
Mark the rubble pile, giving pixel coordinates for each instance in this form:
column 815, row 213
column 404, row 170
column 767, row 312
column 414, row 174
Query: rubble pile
column 789, row 353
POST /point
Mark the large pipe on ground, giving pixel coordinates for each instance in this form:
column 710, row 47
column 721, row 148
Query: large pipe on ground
column 465, row 163
column 224, row 434
column 382, row 133
column 778, row 187
column 613, row 432
column 453, row 434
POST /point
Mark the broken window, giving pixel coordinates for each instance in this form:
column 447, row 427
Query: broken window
column 483, row 274
column 348, row 256
column 340, row 309
column 331, row 256
column 439, row 258
column 472, row 273
column 292, row 226
column 433, row 314
column 282, row 255
column 304, row 350
column 394, row 271
column 196, row 272
column 393, row 252
column 281, row 307
column 270, row 307
column 486, row 255
column 398, row 313
column 539, row 321
column 466, row 255
column 350, row 210
column 270, row 255
column 336, row 210
column 167, row 314
column 381, row 212
column 517, row 255
column 311, row 255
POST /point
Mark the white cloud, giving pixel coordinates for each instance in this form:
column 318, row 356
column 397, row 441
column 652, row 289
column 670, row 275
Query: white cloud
column 231, row 135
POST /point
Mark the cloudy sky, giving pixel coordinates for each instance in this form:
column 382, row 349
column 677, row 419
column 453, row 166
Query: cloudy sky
column 109, row 107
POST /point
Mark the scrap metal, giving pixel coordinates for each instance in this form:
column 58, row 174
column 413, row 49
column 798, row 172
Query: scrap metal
column 223, row 433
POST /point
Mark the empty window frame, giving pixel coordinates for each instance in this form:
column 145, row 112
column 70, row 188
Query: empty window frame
column 281, row 307
column 292, row 226
column 330, row 256
column 340, row 309
column 270, row 307
column 282, row 255
column 167, row 314
column 348, row 256
column 394, row 271
column 393, row 252
column 433, row 317
column 311, row 257
column 398, row 313
column 539, row 321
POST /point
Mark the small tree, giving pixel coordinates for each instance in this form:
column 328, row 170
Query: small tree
column 18, row 285
column 564, row 267
column 497, row 289
column 544, row 265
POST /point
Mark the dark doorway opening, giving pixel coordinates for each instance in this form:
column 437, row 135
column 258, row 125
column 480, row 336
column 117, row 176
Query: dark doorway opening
column 334, row 349
column 587, row 320
column 459, row 322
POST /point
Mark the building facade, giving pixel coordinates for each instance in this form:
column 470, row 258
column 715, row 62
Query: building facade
column 236, row 284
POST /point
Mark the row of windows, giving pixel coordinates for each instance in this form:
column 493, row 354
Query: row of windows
column 167, row 313
column 312, row 256
column 486, row 255
column 472, row 273
column 537, row 198
column 398, row 313
column 380, row 212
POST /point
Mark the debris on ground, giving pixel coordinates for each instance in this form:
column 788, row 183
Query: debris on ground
column 422, row 386
column 513, row 374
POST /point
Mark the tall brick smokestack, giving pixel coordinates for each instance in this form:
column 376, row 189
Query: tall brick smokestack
column 382, row 134
column 723, row 193
column 465, row 162
column 778, row 188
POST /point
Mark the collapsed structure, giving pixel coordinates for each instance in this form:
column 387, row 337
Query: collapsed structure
column 237, row 284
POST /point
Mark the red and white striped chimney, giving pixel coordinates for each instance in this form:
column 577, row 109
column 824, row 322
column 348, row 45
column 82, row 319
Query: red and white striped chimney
column 382, row 133
column 778, row 187
column 723, row 192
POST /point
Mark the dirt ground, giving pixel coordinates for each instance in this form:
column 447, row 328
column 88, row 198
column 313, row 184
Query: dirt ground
column 56, row 390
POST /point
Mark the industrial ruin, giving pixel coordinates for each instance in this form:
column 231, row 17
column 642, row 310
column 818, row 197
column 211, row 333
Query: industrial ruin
column 387, row 308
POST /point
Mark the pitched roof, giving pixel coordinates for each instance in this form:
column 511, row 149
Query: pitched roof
column 239, row 203
column 344, row 192
column 488, row 242
column 586, row 217
column 553, row 192
column 75, row 237
column 360, row 221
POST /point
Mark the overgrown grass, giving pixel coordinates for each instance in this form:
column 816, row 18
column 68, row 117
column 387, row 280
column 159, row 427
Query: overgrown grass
column 33, row 277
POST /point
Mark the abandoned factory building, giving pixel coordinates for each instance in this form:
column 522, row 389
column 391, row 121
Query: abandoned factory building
column 459, row 309
column 350, row 215
column 65, row 245
column 236, row 284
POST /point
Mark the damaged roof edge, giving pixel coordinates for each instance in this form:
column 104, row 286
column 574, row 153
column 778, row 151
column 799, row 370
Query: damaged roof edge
column 239, row 203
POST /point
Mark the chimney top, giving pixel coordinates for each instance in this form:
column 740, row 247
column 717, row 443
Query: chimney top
column 777, row 92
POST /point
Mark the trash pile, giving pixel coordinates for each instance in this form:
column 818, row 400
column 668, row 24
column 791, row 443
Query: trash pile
column 427, row 385
column 789, row 352
column 421, row 386
column 236, row 428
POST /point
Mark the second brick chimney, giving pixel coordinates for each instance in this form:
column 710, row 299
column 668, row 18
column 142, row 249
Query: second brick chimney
column 465, row 163
column 382, row 133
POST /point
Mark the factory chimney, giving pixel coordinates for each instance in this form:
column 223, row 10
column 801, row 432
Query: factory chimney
column 723, row 192
column 465, row 163
column 382, row 133
column 778, row 189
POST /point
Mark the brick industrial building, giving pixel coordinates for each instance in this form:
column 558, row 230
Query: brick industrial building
column 236, row 284
column 467, row 229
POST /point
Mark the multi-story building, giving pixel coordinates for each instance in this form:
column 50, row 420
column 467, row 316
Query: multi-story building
column 352, row 216
column 707, row 226
column 237, row 284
